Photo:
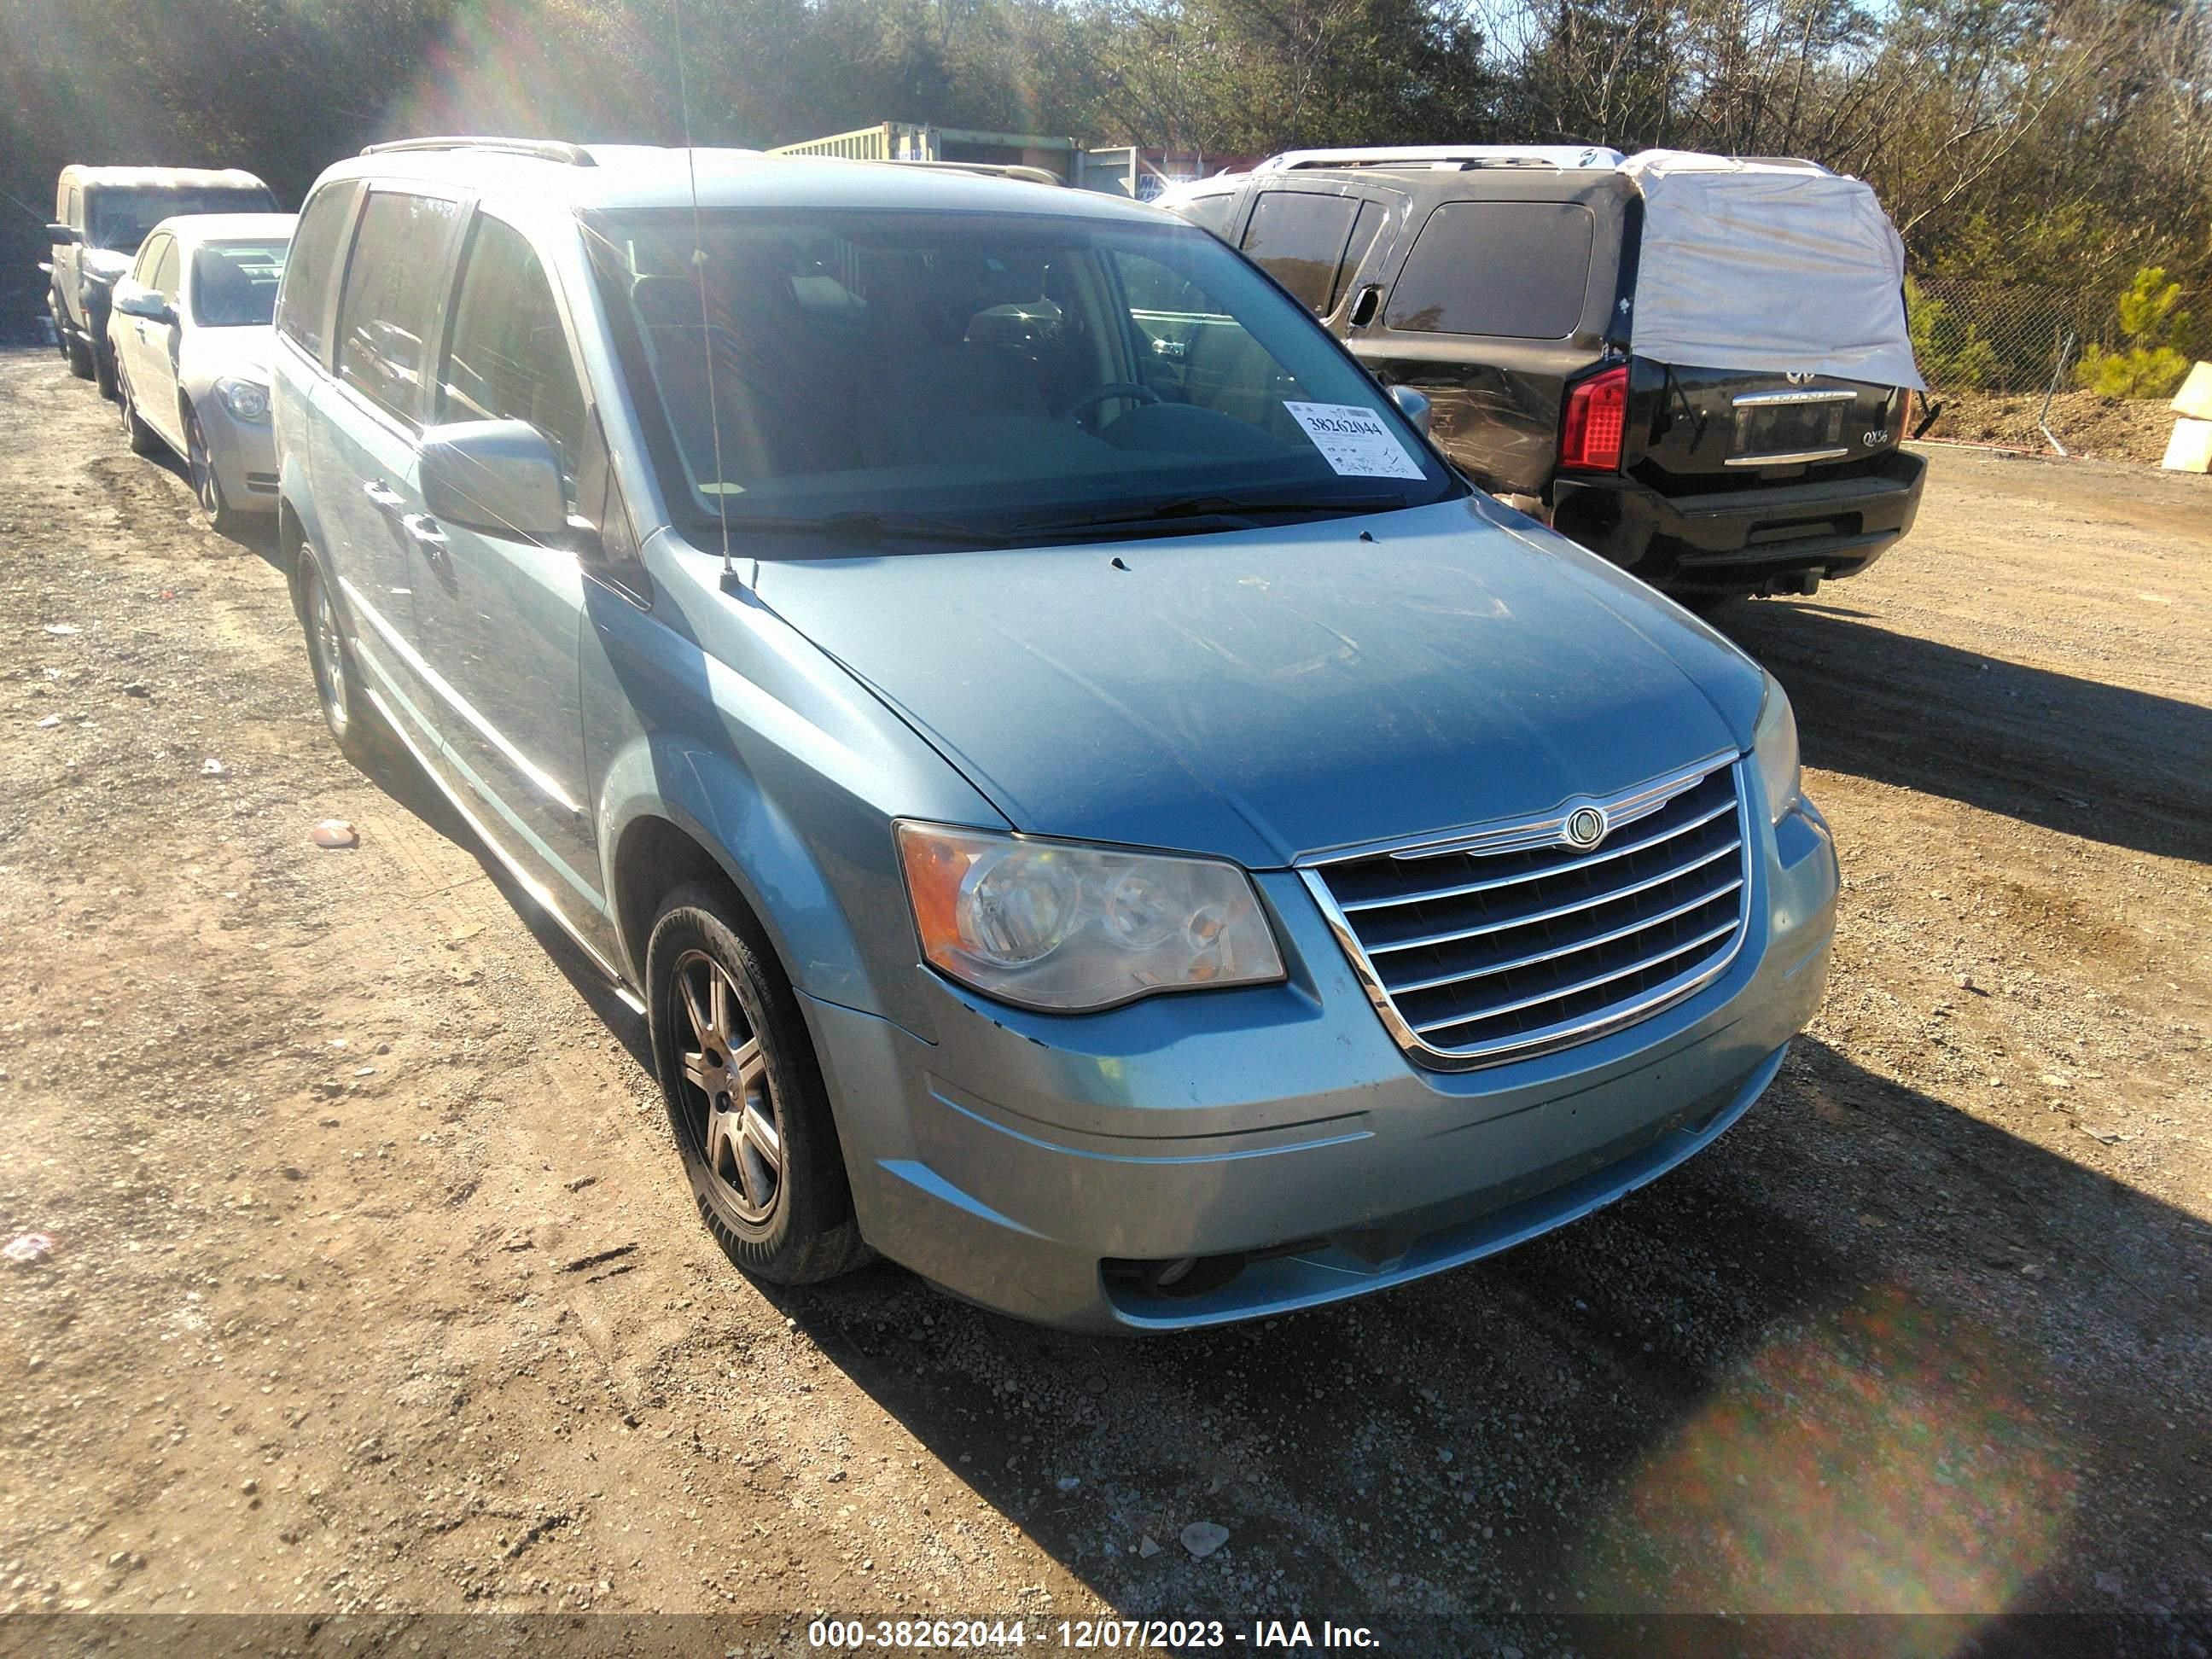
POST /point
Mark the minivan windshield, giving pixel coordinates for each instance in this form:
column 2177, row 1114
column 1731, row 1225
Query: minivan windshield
column 234, row 284
column 118, row 217
column 986, row 377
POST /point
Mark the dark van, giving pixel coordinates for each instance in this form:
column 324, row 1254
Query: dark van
column 1695, row 365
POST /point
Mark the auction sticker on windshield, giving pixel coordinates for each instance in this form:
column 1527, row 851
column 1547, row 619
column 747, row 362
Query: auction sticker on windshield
column 1354, row 440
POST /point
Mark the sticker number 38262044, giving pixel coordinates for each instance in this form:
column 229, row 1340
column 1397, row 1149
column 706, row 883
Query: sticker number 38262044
column 1354, row 440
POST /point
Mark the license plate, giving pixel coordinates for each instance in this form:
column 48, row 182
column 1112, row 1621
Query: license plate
column 1784, row 428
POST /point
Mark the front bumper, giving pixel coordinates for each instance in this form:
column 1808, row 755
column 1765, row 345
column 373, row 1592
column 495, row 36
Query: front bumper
column 1277, row 1137
column 243, row 454
column 1771, row 538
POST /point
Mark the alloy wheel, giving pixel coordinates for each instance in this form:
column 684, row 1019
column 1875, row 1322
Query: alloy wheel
column 734, row 1118
column 327, row 650
column 204, row 479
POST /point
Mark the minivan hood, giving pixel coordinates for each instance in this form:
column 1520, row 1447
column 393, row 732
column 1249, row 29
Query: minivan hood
column 1264, row 694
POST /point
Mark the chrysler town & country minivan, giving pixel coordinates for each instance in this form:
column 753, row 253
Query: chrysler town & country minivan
column 1125, row 832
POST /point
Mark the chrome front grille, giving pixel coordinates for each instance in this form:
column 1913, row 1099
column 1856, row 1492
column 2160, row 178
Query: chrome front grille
column 1506, row 940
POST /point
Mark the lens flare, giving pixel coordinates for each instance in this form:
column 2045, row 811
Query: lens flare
column 1885, row 1459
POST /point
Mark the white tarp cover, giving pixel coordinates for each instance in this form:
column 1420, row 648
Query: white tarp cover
column 1773, row 269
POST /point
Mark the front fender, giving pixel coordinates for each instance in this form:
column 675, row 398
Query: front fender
column 709, row 713
column 717, row 804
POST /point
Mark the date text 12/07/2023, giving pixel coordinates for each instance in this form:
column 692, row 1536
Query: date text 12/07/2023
column 1082, row 1635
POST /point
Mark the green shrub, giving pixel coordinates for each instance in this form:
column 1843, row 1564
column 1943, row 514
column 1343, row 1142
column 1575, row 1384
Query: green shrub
column 2149, row 365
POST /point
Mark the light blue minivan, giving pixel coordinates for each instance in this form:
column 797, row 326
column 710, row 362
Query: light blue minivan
column 1095, row 809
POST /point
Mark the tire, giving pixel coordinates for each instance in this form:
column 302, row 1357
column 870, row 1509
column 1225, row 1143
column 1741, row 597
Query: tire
column 103, row 369
column 221, row 517
column 726, row 1032
column 78, row 351
column 141, row 438
column 356, row 723
column 61, row 324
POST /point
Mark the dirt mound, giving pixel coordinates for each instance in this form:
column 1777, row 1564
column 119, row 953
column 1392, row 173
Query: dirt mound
column 2087, row 422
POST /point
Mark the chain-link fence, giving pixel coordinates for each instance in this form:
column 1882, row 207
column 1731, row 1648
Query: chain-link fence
column 2003, row 336
column 2003, row 366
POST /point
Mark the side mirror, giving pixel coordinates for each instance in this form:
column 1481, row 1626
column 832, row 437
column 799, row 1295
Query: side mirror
column 1413, row 405
column 60, row 235
column 498, row 477
column 135, row 299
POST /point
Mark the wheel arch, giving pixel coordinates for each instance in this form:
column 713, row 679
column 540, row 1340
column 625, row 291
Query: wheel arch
column 680, row 812
column 653, row 857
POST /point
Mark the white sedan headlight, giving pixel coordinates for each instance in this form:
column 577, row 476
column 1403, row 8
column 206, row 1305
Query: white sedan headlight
column 1060, row 926
column 1774, row 750
column 247, row 399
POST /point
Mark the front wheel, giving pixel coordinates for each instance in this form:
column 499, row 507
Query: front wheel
column 103, row 369
column 140, row 436
column 746, row 1097
column 78, row 351
column 206, row 484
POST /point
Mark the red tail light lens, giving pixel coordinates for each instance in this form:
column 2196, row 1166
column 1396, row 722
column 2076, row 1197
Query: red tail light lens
column 1597, row 412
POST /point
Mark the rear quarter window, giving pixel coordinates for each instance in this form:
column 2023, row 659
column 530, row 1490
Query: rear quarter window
column 1518, row 270
column 303, row 303
column 1212, row 212
column 1298, row 238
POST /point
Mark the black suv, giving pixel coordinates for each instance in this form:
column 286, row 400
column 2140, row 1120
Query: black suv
column 1502, row 283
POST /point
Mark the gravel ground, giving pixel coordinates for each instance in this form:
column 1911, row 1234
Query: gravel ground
column 375, row 1286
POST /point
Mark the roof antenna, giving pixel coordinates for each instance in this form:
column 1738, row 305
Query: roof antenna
column 730, row 583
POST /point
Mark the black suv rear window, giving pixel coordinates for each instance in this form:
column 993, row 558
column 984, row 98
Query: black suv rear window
column 1514, row 269
column 1298, row 237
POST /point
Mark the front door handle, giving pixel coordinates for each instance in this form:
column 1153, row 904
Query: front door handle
column 422, row 530
column 382, row 496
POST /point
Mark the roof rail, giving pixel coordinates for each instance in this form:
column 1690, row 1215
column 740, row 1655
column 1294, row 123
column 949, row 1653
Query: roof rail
column 1563, row 156
column 545, row 149
column 986, row 169
column 1795, row 161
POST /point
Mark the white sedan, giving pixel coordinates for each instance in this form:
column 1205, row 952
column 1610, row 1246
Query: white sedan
column 190, row 326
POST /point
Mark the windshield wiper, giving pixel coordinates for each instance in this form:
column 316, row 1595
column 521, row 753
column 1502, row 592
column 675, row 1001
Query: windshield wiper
column 1222, row 511
column 860, row 525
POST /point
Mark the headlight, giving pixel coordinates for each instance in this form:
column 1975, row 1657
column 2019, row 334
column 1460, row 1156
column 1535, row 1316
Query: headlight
column 247, row 399
column 1774, row 749
column 1059, row 926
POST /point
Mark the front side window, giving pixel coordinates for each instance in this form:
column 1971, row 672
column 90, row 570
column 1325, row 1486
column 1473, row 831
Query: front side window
column 509, row 357
column 1516, row 269
column 390, row 302
column 1015, row 375
column 234, row 284
column 121, row 216
column 1298, row 238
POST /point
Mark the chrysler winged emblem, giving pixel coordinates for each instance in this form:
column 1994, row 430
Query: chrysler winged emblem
column 1584, row 827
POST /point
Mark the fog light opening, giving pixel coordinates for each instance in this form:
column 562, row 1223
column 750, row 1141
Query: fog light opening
column 1166, row 1275
column 1175, row 1278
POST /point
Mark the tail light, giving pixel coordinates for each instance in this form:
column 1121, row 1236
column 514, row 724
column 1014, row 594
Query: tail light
column 1597, row 413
